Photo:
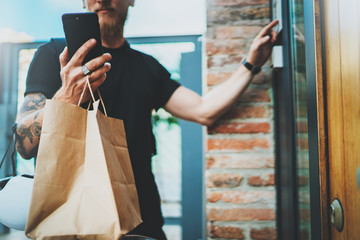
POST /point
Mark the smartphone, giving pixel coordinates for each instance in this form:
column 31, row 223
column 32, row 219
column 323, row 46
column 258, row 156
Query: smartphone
column 79, row 28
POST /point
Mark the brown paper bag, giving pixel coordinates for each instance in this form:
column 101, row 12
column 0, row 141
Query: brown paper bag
column 84, row 186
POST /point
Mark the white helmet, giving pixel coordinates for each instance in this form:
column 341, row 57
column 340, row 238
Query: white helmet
column 15, row 197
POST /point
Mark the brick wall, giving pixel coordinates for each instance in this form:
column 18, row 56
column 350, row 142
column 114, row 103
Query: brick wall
column 240, row 146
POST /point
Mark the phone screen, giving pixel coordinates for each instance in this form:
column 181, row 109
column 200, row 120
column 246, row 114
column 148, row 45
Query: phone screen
column 79, row 28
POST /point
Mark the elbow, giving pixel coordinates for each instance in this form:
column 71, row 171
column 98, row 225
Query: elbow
column 24, row 152
column 206, row 121
column 25, row 155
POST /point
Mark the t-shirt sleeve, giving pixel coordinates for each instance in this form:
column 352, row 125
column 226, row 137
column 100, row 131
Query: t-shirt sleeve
column 165, row 87
column 44, row 71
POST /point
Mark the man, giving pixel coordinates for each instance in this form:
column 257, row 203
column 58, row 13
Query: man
column 132, row 85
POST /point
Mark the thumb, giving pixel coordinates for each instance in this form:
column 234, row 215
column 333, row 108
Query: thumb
column 263, row 40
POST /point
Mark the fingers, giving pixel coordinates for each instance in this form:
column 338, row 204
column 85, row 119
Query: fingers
column 96, row 63
column 95, row 85
column 263, row 40
column 267, row 29
column 64, row 57
column 81, row 53
column 98, row 67
column 100, row 72
column 273, row 36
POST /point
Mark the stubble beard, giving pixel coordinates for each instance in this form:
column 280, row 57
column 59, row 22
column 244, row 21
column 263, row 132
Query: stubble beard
column 113, row 28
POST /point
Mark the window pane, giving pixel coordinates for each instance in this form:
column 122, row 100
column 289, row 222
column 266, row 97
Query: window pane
column 299, row 76
column 166, row 164
column 25, row 57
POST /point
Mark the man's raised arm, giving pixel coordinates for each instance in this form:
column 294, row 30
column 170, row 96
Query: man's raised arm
column 188, row 105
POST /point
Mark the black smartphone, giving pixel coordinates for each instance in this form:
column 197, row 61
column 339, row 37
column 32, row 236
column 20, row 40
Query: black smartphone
column 79, row 28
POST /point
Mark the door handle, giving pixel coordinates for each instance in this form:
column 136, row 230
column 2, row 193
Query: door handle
column 358, row 177
column 337, row 215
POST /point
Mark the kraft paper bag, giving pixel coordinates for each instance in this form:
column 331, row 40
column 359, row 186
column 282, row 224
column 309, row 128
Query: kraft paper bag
column 84, row 186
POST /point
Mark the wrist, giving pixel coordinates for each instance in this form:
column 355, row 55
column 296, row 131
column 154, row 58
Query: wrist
column 251, row 67
column 60, row 96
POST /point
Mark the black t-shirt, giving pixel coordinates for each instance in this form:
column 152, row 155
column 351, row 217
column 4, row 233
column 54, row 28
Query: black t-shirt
column 135, row 85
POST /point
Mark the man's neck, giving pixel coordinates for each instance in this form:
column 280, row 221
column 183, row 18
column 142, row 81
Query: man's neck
column 113, row 41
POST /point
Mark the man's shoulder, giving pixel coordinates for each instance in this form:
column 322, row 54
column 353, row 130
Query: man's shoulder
column 55, row 45
column 151, row 62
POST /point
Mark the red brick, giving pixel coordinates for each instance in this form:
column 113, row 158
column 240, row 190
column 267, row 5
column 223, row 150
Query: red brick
column 214, row 197
column 241, row 3
column 303, row 181
column 226, row 47
column 243, row 127
column 302, row 127
column 253, row 13
column 217, row 78
column 305, row 214
column 241, row 197
column 247, row 32
column 247, row 112
column 237, row 144
column 255, row 95
column 302, row 143
column 240, row 161
column 263, row 234
column 236, row 15
column 261, row 78
column 226, row 232
column 223, row 60
column 268, row 180
column 240, row 214
column 224, row 180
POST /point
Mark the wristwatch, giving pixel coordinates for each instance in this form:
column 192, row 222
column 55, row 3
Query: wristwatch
column 253, row 69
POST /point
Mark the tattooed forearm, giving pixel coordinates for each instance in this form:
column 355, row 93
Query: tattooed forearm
column 29, row 122
column 21, row 148
column 32, row 102
column 34, row 130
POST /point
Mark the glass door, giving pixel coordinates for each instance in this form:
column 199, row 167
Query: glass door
column 178, row 167
column 297, row 38
column 296, row 122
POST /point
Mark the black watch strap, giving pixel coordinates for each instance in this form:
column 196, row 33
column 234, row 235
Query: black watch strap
column 253, row 69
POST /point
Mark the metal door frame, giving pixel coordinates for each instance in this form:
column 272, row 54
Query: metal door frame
column 285, row 135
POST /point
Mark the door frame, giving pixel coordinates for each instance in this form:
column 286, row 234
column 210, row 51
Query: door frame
column 317, row 126
column 286, row 169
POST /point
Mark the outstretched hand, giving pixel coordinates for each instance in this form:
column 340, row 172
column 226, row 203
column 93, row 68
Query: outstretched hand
column 262, row 45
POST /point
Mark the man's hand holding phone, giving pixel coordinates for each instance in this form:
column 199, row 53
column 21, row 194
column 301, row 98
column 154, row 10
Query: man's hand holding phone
column 73, row 77
column 82, row 56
